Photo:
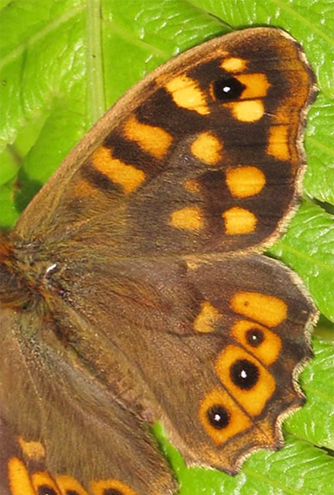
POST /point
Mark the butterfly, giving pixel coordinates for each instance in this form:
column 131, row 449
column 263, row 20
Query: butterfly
column 133, row 288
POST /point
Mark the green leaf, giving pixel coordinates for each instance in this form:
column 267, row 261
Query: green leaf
column 64, row 62
column 314, row 261
column 298, row 469
column 317, row 383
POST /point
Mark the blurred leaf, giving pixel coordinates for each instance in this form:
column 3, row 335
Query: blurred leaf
column 308, row 248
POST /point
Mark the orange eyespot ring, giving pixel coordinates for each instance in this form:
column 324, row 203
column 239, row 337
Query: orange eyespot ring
column 221, row 417
column 245, row 378
column 259, row 340
column 111, row 487
column 43, row 483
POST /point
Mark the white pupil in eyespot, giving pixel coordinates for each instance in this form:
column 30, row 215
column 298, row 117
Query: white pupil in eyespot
column 243, row 374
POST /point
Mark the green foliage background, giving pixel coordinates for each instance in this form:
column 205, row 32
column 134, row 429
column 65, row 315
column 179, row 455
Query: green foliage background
column 64, row 62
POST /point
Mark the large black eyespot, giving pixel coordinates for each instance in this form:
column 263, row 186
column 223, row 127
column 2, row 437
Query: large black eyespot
column 254, row 337
column 227, row 88
column 218, row 416
column 112, row 491
column 46, row 490
column 72, row 492
column 244, row 374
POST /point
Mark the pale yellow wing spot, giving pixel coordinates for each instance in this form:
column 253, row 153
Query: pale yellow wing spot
column 192, row 186
column 32, row 450
column 83, row 188
column 268, row 310
column 256, row 85
column 207, row 148
column 127, row 176
column 189, row 218
column 245, row 181
column 234, row 64
column 247, row 111
column 152, row 139
column 239, row 221
column 187, row 94
column 192, row 263
column 18, row 478
column 278, row 142
column 206, row 320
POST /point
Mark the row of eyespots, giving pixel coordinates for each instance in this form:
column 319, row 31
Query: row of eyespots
column 242, row 373
column 41, row 483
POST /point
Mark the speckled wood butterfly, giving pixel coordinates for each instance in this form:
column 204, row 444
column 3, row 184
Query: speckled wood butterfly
column 133, row 288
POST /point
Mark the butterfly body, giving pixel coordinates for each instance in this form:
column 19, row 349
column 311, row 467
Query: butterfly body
column 134, row 289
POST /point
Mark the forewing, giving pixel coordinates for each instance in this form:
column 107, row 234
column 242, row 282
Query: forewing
column 203, row 155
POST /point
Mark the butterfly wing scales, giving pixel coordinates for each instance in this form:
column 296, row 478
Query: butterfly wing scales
column 193, row 329
column 100, row 438
column 175, row 169
column 237, row 178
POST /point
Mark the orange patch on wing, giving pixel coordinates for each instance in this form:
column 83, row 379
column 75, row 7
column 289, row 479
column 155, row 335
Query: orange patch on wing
column 18, row 478
column 247, row 111
column 42, row 478
column 245, row 181
column 237, row 421
column 127, row 176
column 187, row 94
column 239, row 221
column 268, row 310
column 207, row 148
column 254, row 399
column 152, row 139
column 33, row 450
column 234, row 64
column 206, row 320
column 278, row 142
column 188, row 218
column 259, row 340
column 82, row 188
column 256, row 85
